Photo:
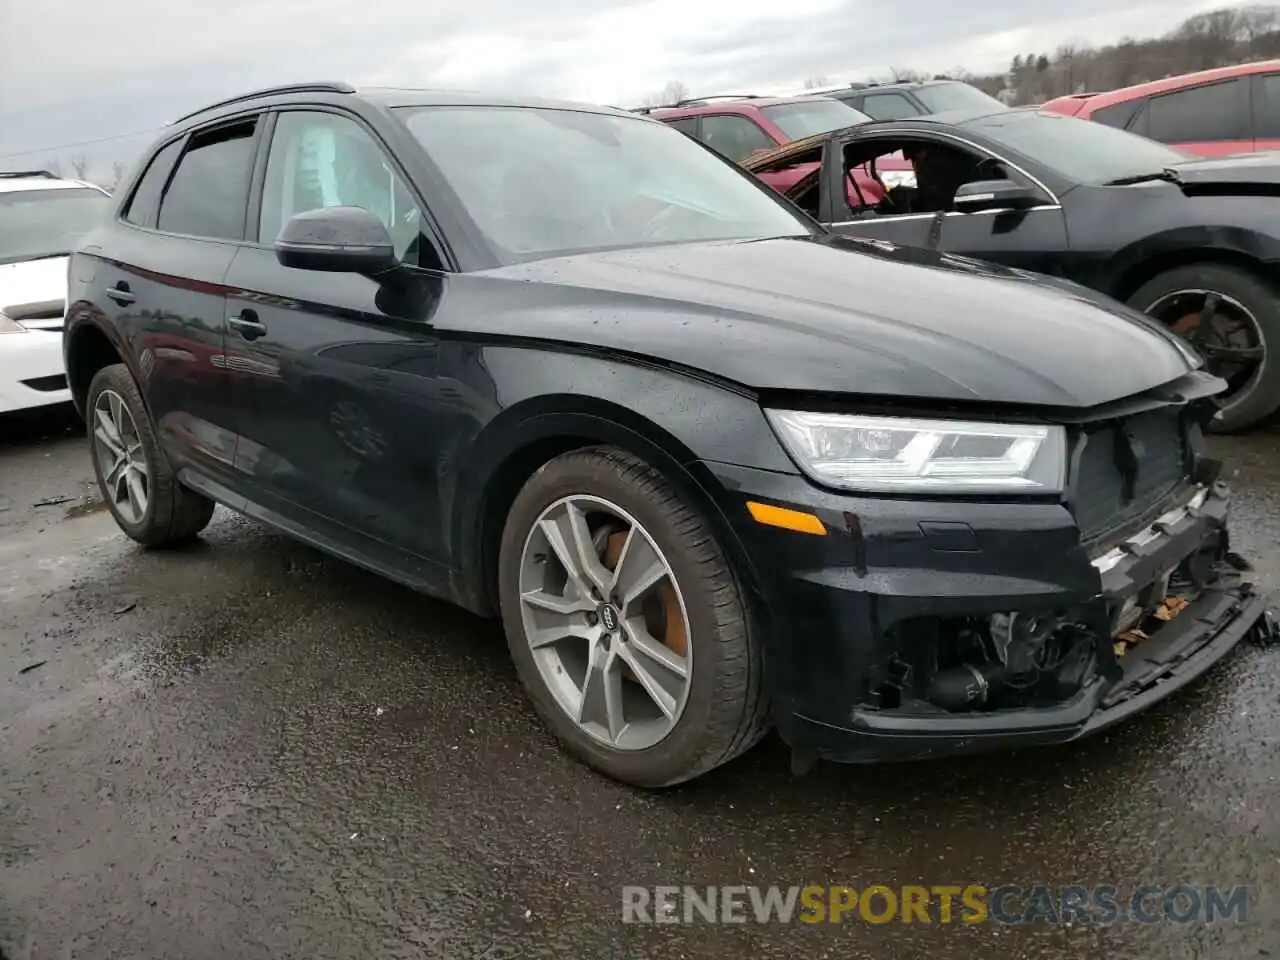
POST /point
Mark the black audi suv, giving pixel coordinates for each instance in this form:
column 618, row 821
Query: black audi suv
column 715, row 468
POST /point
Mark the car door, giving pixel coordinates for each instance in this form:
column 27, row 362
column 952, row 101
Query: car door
column 1030, row 239
column 836, row 210
column 333, row 382
column 171, row 253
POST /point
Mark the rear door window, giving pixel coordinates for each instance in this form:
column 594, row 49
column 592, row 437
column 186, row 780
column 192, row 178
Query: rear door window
column 734, row 137
column 146, row 198
column 888, row 106
column 687, row 125
column 1212, row 112
column 209, row 191
column 1119, row 115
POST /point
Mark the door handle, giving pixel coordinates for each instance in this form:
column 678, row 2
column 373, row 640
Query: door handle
column 120, row 294
column 248, row 325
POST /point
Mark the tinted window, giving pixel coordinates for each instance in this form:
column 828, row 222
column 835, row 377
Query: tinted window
column 687, row 125
column 888, row 106
column 1079, row 150
column 807, row 118
column 1118, row 114
column 734, row 137
column 1205, row 113
column 208, row 192
column 1267, row 117
column 325, row 160
column 585, row 181
column 46, row 223
column 939, row 98
column 146, row 198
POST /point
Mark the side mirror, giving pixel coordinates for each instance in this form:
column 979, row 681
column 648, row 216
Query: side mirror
column 336, row 240
column 994, row 195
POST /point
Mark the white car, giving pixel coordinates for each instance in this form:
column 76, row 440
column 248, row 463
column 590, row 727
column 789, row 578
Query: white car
column 41, row 218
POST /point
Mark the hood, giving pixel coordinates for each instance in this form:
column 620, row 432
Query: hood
column 33, row 287
column 848, row 316
column 1254, row 173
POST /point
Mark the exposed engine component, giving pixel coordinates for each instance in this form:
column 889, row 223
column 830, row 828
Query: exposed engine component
column 1013, row 655
column 966, row 687
column 1020, row 642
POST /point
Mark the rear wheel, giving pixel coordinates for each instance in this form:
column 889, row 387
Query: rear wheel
column 1233, row 318
column 134, row 476
column 626, row 623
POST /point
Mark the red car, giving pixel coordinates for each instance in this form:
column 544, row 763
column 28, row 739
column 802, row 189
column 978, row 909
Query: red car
column 739, row 127
column 1211, row 113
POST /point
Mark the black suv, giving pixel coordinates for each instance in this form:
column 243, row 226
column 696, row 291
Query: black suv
column 713, row 466
column 911, row 98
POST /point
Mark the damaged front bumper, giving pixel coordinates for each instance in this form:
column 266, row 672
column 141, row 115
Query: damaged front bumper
column 867, row 625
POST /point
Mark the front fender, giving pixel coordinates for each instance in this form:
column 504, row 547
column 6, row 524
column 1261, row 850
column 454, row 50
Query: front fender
column 555, row 401
column 1142, row 258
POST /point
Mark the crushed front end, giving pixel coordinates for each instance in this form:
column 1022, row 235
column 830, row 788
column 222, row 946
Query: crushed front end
column 920, row 627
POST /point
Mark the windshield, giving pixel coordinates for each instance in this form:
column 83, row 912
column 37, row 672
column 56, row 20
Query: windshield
column 807, row 118
column 46, row 223
column 540, row 182
column 1079, row 150
column 939, row 98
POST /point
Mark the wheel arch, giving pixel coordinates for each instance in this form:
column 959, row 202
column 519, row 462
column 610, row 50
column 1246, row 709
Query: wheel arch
column 88, row 350
column 1137, row 270
column 525, row 438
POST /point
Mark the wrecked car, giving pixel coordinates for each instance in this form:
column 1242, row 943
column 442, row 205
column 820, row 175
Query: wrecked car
column 715, row 468
column 1195, row 243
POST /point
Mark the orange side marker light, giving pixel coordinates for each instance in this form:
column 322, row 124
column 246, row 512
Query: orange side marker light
column 794, row 520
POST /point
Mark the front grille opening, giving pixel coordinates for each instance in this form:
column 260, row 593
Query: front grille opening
column 1014, row 660
column 47, row 384
column 1127, row 468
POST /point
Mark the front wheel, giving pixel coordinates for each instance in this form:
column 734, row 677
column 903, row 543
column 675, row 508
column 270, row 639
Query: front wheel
column 626, row 623
column 1233, row 318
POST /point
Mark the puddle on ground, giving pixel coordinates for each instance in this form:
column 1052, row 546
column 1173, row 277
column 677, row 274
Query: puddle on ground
column 86, row 508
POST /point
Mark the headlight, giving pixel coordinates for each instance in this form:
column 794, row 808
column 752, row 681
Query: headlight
column 9, row 325
column 906, row 455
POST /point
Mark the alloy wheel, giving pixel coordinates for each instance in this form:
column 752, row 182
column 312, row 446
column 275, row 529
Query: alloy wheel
column 1225, row 332
column 606, row 622
column 117, row 444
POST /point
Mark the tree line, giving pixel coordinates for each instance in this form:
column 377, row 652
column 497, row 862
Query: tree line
column 1219, row 38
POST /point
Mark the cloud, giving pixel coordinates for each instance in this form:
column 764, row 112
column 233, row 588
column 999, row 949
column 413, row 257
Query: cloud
column 70, row 72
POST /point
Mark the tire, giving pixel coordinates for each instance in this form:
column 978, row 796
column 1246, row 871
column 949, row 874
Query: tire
column 173, row 514
column 1260, row 397
column 725, row 709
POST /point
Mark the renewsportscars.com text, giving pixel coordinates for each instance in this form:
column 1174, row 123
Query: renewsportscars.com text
column 939, row 904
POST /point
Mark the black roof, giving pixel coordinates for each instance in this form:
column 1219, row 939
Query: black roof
column 935, row 81
column 959, row 118
column 399, row 97
column 755, row 99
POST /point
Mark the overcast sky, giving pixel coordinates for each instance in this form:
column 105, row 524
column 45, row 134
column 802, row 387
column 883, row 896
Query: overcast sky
column 74, row 70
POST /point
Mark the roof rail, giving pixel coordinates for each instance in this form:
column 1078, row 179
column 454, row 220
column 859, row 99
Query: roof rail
column 691, row 101
column 47, row 174
column 718, row 96
column 320, row 86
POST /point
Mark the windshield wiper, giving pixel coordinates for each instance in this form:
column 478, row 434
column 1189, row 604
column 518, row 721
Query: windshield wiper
column 1167, row 175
